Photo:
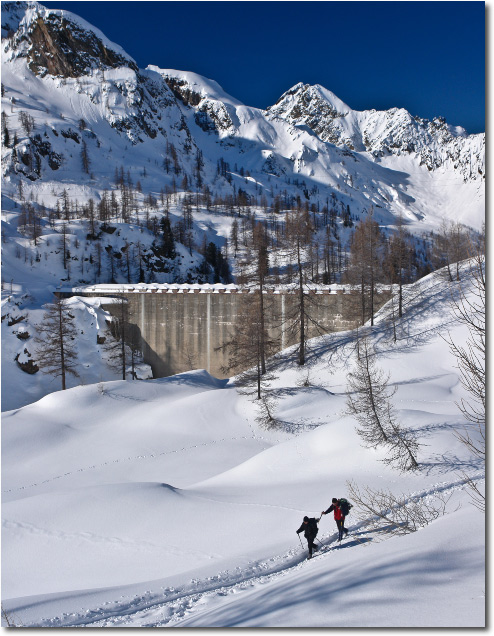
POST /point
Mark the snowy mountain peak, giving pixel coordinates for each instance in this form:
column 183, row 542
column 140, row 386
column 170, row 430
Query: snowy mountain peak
column 381, row 133
column 192, row 88
column 57, row 42
column 305, row 94
column 77, row 86
column 12, row 14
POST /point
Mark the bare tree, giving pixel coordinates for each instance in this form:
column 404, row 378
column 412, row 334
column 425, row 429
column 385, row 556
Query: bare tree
column 266, row 416
column 366, row 255
column 261, row 269
column 396, row 515
column 450, row 247
column 368, row 397
column 249, row 342
column 301, row 314
column 55, row 341
column 398, row 260
column 117, row 346
column 469, row 308
column 9, row 619
column 369, row 400
column 298, row 234
column 402, row 444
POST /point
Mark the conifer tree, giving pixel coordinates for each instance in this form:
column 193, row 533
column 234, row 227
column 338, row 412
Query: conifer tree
column 398, row 261
column 5, row 130
column 167, row 248
column 469, row 306
column 369, row 401
column 85, row 157
column 365, row 267
column 300, row 315
column 117, row 346
column 55, row 341
column 249, row 343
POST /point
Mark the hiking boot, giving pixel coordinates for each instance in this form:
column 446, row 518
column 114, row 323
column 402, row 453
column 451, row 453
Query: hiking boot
column 310, row 556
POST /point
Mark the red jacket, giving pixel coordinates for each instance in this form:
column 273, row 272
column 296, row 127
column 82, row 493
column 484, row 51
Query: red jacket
column 337, row 512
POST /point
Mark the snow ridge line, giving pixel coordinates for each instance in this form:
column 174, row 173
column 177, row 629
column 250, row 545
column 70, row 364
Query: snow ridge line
column 136, row 457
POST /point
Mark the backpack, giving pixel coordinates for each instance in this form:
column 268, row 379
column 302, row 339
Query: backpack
column 313, row 526
column 345, row 506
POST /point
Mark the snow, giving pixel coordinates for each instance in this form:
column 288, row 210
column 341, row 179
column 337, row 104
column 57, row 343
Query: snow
column 163, row 503
column 34, row 9
column 206, row 87
column 91, row 321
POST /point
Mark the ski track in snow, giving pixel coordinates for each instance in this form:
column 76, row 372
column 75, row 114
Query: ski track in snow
column 172, row 604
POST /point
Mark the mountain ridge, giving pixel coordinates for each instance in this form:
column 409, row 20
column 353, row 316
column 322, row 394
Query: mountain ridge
column 83, row 93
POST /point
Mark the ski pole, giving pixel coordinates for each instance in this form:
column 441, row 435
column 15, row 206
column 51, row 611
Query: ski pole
column 300, row 541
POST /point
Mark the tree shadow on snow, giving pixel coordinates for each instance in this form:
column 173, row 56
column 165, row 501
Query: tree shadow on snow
column 360, row 582
column 447, row 462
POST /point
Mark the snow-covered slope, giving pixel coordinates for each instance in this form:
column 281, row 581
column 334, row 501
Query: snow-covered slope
column 381, row 133
column 60, row 70
column 164, row 504
column 396, row 139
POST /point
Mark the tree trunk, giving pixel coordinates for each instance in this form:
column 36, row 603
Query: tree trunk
column 301, row 354
column 62, row 353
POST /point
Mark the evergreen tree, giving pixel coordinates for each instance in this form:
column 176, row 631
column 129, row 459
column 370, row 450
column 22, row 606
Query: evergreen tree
column 221, row 270
column 85, row 157
column 6, row 137
column 167, row 248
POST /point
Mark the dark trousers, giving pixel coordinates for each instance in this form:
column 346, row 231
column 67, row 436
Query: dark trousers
column 311, row 545
column 341, row 527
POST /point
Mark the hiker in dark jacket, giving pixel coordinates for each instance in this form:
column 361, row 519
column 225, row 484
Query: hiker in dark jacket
column 339, row 517
column 310, row 529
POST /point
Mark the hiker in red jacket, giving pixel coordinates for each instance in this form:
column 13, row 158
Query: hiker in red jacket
column 339, row 517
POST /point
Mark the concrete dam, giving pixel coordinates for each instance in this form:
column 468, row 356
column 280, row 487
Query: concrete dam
column 183, row 327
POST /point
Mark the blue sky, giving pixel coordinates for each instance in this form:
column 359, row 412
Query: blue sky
column 427, row 57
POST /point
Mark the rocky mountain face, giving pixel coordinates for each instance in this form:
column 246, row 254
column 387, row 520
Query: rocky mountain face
column 381, row 133
column 79, row 89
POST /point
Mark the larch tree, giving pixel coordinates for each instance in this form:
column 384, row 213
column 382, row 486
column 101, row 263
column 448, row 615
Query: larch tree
column 252, row 343
column 398, row 260
column 260, row 242
column 249, row 342
column 469, row 305
column 56, row 341
column 368, row 397
column 298, row 240
column 117, row 346
column 369, row 401
column 366, row 254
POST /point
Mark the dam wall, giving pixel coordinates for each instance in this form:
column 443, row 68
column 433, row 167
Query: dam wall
column 184, row 327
